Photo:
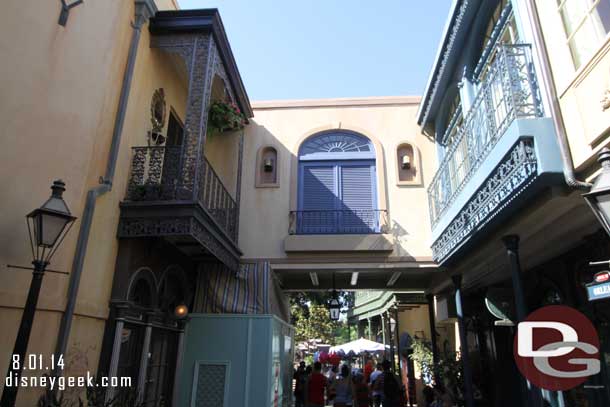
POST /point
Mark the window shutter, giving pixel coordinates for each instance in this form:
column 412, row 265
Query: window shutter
column 357, row 199
column 319, row 198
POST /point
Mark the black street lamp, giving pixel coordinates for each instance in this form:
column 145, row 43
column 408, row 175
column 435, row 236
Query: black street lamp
column 599, row 196
column 47, row 227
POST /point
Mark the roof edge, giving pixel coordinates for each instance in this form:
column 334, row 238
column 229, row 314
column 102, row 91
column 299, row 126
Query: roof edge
column 336, row 102
column 444, row 48
column 205, row 20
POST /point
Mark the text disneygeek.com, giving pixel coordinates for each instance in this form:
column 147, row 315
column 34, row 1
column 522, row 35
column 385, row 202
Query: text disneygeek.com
column 61, row 382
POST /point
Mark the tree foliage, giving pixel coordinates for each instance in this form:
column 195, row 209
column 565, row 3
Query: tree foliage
column 311, row 319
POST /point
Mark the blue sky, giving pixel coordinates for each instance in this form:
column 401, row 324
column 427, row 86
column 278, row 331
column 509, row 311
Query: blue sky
column 288, row 49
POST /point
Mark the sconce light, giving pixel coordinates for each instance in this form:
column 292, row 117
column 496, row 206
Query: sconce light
column 406, row 162
column 181, row 310
column 268, row 165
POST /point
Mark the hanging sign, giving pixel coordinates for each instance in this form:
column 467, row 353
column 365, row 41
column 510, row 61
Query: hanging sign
column 600, row 287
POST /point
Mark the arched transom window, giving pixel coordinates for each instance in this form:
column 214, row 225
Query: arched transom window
column 337, row 145
column 337, row 188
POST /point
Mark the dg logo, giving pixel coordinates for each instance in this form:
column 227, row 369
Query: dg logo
column 557, row 348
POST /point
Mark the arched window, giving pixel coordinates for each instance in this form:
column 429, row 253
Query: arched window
column 172, row 290
column 142, row 289
column 337, row 189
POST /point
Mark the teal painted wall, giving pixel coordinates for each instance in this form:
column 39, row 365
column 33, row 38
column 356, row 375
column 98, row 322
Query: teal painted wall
column 256, row 348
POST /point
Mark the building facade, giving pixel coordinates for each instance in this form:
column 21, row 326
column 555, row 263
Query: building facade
column 177, row 216
column 517, row 140
column 122, row 91
column 335, row 189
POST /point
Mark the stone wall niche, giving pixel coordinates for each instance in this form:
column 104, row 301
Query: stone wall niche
column 408, row 165
column 267, row 175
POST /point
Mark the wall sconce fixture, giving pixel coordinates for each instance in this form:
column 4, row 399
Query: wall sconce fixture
column 268, row 165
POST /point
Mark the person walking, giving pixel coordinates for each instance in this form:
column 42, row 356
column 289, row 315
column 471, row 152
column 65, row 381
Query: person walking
column 376, row 387
column 315, row 387
column 345, row 392
column 300, row 377
column 362, row 392
column 390, row 386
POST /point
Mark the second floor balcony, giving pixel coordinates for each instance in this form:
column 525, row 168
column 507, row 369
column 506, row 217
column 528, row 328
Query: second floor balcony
column 507, row 93
column 156, row 177
column 501, row 146
column 342, row 222
column 197, row 214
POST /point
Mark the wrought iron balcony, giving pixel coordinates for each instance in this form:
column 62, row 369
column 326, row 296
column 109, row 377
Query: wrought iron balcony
column 338, row 222
column 156, row 176
column 508, row 91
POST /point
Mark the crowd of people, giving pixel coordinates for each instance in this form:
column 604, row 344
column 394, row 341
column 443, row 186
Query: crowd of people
column 346, row 387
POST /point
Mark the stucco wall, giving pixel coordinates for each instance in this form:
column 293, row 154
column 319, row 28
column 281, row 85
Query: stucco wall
column 58, row 109
column 264, row 219
column 222, row 151
column 580, row 90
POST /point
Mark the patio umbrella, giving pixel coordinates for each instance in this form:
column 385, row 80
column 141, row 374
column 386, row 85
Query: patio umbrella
column 359, row 346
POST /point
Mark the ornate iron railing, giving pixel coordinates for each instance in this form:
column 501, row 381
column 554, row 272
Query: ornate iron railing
column 507, row 92
column 156, row 176
column 335, row 222
column 215, row 197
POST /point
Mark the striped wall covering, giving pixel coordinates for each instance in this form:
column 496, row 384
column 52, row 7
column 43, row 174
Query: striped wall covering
column 222, row 291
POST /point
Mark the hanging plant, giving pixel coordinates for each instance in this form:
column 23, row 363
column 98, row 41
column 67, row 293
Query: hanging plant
column 225, row 116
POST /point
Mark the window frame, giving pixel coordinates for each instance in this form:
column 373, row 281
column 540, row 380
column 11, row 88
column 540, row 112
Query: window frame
column 591, row 7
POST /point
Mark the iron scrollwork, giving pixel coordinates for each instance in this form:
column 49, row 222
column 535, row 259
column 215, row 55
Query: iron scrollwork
column 511, row 177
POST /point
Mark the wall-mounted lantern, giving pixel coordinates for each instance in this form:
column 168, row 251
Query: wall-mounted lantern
column 268, row 165
column 599, row 196
column 181, row 310
column 405, row 162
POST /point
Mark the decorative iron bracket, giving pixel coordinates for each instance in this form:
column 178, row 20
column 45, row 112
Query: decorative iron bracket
column 65, row 11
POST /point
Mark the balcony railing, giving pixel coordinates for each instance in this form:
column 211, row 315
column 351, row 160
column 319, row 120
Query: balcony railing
column 155, row 176
column 507, row 92
column 215, row 197
column 336, row 222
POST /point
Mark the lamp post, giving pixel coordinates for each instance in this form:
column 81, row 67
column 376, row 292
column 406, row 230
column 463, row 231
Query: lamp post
column 599, row 196
column 47, row 228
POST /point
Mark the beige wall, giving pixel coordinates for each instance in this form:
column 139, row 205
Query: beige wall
column 222, row 151
column 264, row 219
column 58, row 109
column 580, row 91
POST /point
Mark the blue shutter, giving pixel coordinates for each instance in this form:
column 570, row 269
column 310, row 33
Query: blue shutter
column 318, row 199
column 357, row 196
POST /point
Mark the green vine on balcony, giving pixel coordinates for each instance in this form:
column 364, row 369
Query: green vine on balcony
column 225, row 116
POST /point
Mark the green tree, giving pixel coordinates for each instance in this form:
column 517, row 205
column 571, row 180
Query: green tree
column 317, row 325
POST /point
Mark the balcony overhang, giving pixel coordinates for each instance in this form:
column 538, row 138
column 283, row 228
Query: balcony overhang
column 205, row 21
column 185, row 224
column 339, row 243
column 525, row 161
column 380, row 302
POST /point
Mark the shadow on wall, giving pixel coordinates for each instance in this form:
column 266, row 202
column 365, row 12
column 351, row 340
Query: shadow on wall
column 399, row 234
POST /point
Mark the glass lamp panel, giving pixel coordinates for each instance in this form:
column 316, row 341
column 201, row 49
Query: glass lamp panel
column 603, row 207
column 51, row 227
column 334, row 313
